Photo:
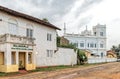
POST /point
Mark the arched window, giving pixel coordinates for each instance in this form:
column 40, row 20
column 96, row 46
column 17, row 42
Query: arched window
column 13, row 26
column 29, row 31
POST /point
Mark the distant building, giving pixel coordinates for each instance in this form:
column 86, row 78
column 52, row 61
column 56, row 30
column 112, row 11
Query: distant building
column 111, row 54
column 64, row 41
column 94, row 42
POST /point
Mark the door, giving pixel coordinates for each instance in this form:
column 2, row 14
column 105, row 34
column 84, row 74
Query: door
column 21, row 60
column 1, row 58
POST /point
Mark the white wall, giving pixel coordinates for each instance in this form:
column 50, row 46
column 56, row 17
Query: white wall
column 101, row 60
column 63, row 56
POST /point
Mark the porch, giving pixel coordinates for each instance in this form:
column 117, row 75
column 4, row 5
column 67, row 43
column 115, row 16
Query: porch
column 16, row 53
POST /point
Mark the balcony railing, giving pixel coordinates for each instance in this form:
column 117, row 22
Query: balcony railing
column 9, row 38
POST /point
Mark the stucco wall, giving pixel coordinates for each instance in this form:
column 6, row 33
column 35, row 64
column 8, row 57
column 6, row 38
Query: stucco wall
column 63, row 56
column 39, row 33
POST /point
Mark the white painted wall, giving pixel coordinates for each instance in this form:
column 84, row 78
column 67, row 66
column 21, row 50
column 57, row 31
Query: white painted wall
column 63, row 56
column 101, row 60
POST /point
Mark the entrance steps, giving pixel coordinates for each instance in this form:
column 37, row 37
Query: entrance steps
column 23, row 71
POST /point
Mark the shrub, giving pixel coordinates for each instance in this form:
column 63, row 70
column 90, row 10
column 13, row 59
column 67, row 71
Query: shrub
column 81, row 57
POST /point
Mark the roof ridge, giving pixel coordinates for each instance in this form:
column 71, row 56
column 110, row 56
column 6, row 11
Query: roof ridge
column 26, row 16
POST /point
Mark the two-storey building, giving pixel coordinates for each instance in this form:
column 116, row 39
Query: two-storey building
column 25, row 41
column 92, row 41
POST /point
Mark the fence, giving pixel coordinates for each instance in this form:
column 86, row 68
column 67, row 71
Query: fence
column 101, row 60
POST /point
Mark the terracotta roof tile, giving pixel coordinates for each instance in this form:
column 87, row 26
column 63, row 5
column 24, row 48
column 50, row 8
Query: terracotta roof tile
column 15, row 13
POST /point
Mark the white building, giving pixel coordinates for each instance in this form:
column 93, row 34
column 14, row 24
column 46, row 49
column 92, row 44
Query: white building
column 28, row 42
column 95, row 41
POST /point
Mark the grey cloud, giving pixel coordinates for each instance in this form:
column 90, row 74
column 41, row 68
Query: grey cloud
column 50, row 8
column 57, row 7
column 87, row 5
column 84, row 21
column 45, row 9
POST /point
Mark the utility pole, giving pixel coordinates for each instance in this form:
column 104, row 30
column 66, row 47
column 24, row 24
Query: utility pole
column 64, row 29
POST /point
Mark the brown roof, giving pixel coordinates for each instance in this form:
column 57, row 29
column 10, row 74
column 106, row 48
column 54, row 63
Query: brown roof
column 15, row 13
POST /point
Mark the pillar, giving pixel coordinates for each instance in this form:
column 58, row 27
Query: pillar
column 8, row 55
column 17, row 58
column 26, row 57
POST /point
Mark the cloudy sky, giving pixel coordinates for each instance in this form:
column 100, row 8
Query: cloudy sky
column 75, row 13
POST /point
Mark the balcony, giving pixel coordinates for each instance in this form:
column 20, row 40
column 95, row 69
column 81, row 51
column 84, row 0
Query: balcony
column 16, row 39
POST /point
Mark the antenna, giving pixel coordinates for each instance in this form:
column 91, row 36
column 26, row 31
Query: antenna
column 64, row 28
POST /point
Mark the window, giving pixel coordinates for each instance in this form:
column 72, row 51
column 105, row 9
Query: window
column 102, row 54
column 81, row 44
column 88, row 44
column 101, row 33
column 49, row 37
column 95, row 33
column 49, row 53
column 13, row 26
column 91, row 45
column 101, row 45
column 29, row 33
column 95, row 45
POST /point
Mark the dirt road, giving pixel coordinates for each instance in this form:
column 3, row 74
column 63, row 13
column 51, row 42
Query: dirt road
column 104, row 71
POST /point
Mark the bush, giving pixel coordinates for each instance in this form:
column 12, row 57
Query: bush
column 81, row 57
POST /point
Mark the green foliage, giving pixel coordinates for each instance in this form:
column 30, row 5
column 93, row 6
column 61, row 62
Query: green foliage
column 51, row 68
column 116, row 49
column 58, row 41
column 72, row 46
column 81, row 57
column 8, row 74
column 45, row 19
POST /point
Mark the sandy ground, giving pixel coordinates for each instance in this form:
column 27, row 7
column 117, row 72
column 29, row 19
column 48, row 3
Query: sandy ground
column 104, row 71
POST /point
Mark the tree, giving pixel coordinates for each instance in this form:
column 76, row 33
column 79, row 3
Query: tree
column 117, row 50
column 58, row 41
column 45, row 19
column 81, row 57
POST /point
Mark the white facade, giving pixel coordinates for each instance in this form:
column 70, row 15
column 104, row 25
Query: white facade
column 95, row 41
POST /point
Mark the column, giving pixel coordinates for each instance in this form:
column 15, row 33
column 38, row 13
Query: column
column 8, row 55
column 17, row 57
column 26, row 57
column 33, row 57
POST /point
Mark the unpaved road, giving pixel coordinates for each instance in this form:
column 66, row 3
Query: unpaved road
column 103, row 71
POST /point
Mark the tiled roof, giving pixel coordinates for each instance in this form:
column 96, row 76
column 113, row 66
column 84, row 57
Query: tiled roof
column 28, row 17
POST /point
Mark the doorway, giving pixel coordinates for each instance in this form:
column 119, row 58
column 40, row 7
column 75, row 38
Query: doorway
column 21, row 60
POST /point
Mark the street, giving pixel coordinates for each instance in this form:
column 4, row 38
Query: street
column 102, row 71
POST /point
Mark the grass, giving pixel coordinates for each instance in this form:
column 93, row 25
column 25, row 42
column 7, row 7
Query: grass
column 52, row 68
column 8, row 74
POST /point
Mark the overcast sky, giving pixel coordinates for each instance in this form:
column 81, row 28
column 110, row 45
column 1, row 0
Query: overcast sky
column 75, row 13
